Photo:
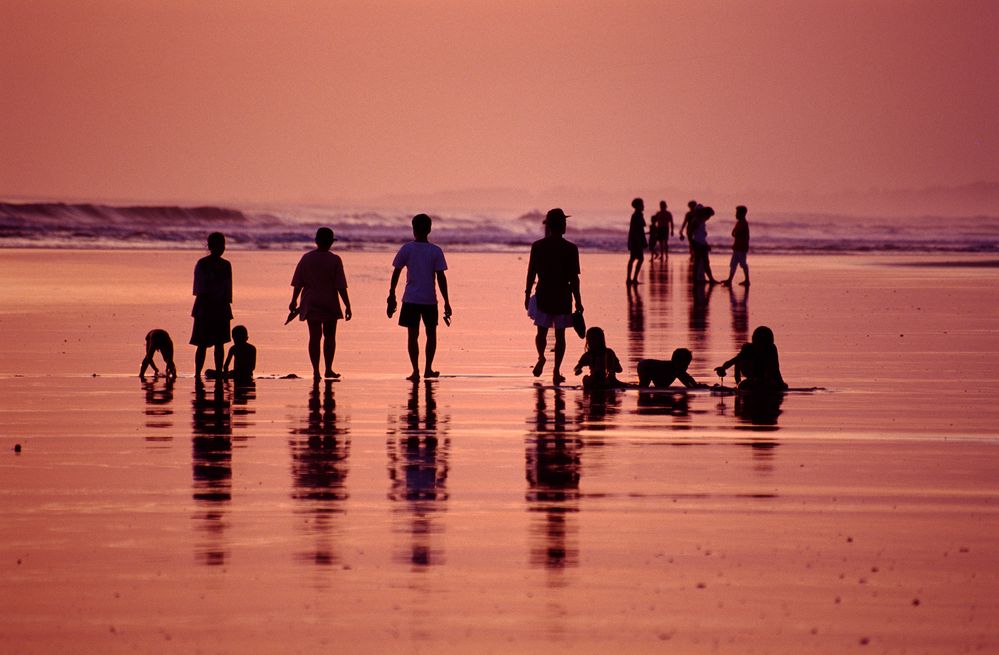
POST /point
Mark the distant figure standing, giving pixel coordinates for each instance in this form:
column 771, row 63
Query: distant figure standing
column 660, row 231
column 698, row 233
column 740, row 246
column 555, row 264
column 212, row 309
column 321, row 282
column 636, row 240
column 686, row 224
column 158, row 340
column 424, row 262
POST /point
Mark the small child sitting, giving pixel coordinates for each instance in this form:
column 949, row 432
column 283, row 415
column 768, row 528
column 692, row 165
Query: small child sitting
column 158, row 340
column 757, row 365
column 661, row 373
column 243, row 357
column 601, row 360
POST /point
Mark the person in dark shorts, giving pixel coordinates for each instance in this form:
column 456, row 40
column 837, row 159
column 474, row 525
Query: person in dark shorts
column 636, row 240
column 321, row 282
column 660, row 230
column 740, row 246
column 212, row 309
column 424, row 263
column 661, row 373
column 554, row 264
column 158, row 340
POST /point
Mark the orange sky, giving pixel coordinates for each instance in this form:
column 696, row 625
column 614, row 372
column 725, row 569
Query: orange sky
column 240, row 100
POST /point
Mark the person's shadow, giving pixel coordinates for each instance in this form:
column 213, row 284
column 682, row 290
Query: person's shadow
column 418, row 454
column 320, row 448
column 211, row 470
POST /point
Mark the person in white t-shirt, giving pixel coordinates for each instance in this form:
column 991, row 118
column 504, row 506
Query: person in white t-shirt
column 424, row 263
column 320, row 280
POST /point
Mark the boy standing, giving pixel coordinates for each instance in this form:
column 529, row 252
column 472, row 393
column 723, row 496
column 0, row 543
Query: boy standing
column 424, row 263
column 740, row 247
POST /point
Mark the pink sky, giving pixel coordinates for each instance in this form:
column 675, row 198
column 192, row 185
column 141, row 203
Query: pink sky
column 193, row 101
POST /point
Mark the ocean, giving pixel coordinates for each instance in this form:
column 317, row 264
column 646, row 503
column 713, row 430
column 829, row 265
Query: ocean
column 291, row 227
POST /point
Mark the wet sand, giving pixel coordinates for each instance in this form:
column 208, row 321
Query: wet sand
column 482, row 512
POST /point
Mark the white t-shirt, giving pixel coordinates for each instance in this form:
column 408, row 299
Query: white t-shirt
column 422, row 261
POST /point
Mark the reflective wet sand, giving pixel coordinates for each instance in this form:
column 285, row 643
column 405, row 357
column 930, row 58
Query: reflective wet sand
column 482, row 512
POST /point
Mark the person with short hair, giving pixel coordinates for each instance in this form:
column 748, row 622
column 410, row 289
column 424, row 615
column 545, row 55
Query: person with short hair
column 554, row 263
column 212, row 309
column 158, row 340
column 636, row 240
column 740, row 246
column 320, row 281
column 424, row 263
column 661, row 373
column 242, row 355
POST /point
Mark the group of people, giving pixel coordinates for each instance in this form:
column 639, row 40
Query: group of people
column 695, row 224
column 319, row 285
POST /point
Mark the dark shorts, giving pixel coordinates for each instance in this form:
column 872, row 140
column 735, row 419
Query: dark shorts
column 412, row 313
column 638, row 253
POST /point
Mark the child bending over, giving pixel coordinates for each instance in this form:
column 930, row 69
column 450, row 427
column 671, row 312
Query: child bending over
column 601, row 360
column 160, row 340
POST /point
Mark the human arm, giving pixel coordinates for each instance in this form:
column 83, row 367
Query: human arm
column 392, row 304
column 293, row 305
column 584, row 360
column 346, row 303
column 228, row 282
column 442, row 284
column 228, row 359
column 532, row 275
column 689, row 382
column 574, row 286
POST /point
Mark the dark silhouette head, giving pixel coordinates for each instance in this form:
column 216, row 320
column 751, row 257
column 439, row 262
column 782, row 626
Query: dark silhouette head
column 324, row 238
column 682, row 358
column 421, row 226
column 705, row 212
column 763, row 336
column 662, row 205
column 240, row 335
column 740, row 212
column 216, row 243
column 638, row 204
column 555, row 220
column 595, row 340
column 692, row 204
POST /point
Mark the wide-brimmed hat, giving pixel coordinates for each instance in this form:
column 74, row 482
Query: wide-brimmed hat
column 555, row 215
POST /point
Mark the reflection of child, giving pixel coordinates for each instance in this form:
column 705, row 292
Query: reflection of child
column 242, row 356
column 757, row 365
column 158, row 340
column 601, row 360
column 661, row 373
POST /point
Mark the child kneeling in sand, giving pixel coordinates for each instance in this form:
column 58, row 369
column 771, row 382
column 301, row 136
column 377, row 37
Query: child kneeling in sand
column 601, row 360
column 757, row 365
column 242, row 356
column 158, row 340
column 661, row 373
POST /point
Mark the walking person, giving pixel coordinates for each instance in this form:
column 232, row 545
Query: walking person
column 320, row 281
column 424, row 263
column 554, row 264
column 740, row 246
column 212, row 309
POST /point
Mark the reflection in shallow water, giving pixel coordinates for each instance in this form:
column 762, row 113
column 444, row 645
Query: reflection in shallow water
column 758, row 410
column 553, row 472
column 319, row 452
column 660, row 403
column 159, row 401
column 698, row 322
column 636, row 327
column 211, row 456
column 738, row 300
column 418, row 452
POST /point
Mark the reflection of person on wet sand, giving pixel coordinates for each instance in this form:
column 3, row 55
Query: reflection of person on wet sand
column 757, row 365
column 158, row 340
column 555, row 264
column 661, row 373
column 212, row 300
column 424, row 262
column 321, row 282
column 636, row 240
column 601, row 360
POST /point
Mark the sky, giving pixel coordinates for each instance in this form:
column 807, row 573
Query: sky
column 305, row 101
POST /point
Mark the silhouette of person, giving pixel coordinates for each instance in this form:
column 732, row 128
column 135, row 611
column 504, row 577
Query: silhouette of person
column 424, row 263
column 740, row 246
column 212, row 299
column 686, row 224
column 661, row 373
column 757, row 364
column 321, row 282
column 554, row 263
column 660, row 231
column 601, row 360
column 636, row 240
column 698, row 232
column 242, row 357
column 158, row 340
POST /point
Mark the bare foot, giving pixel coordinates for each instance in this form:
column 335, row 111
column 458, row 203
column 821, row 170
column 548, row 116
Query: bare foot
column 414, row 377
column 331, row 374
column 744, row 284
column 431, row 374
column 316, row 376
column 558, row 379
column 727, row 283
column 539, row 367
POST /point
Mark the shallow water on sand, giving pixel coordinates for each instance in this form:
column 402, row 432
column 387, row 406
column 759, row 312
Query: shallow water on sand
column 484, row 512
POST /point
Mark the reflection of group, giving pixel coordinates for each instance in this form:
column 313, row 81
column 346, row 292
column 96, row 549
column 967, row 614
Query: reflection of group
column 552, row 290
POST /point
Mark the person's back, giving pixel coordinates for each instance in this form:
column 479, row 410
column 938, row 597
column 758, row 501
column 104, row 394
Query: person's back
column 320, row 274
column 422, row 260
column 556, row 263
column 244, row 361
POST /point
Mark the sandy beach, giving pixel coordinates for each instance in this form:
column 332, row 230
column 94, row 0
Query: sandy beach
column 487, row 512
